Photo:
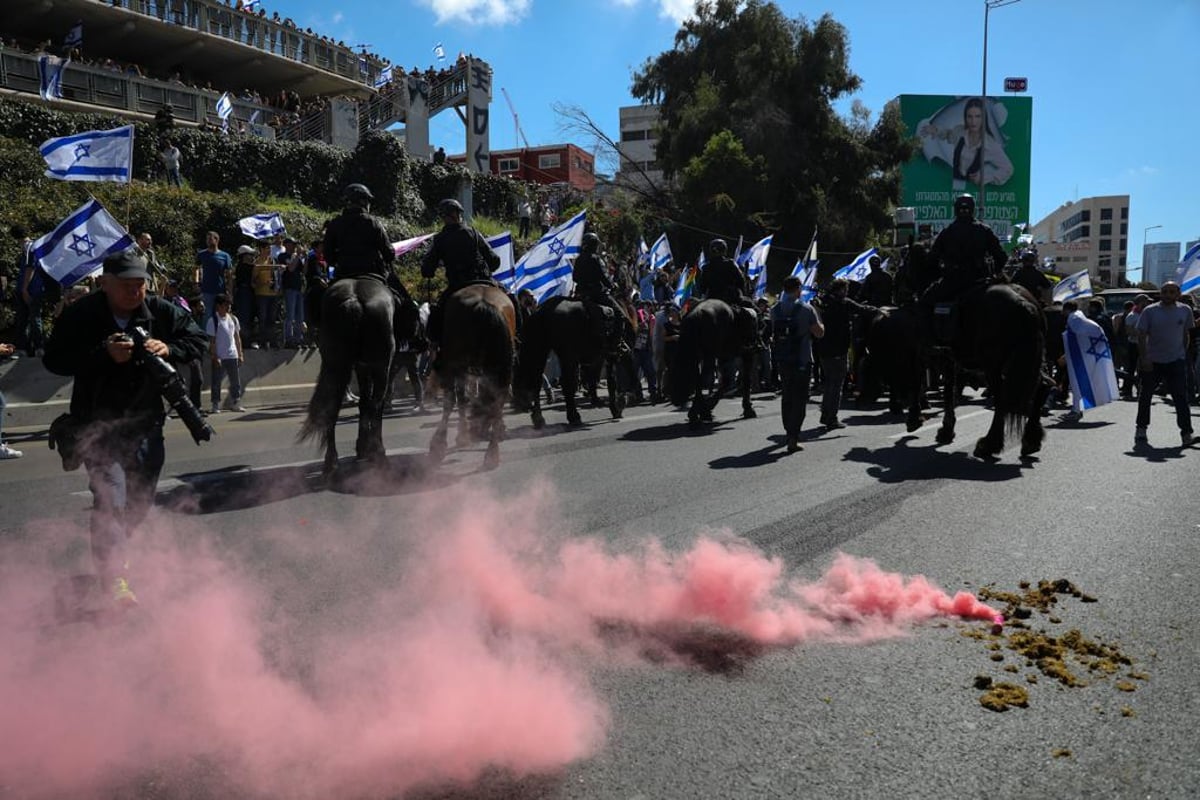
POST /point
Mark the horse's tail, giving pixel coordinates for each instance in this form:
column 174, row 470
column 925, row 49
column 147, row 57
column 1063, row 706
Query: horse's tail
column 1022, row 374
column 498, row 351
column 532, row 355
column 341, row 325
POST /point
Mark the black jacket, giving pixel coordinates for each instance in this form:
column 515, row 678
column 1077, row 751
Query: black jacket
column 1032, row 279
column 357, row 244
column 840, row 316
column 961, row 248
column 721, row 278
column 103, row 389
column 465, row 254
column 878, row 288
column 591, row 276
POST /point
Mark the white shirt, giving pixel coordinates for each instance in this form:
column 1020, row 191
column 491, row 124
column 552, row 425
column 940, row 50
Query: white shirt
column 225, row 330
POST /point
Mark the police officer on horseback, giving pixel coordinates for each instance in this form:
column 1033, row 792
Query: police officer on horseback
column 595, row 288
column 1031, row 278
column 466, row 255
column 722, row 279
column 963, row 248
column 356, row 244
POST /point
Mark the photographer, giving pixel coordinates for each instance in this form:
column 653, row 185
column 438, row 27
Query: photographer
column 117, row 410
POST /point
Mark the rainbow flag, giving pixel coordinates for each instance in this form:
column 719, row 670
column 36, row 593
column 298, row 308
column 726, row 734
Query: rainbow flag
column 687, row 282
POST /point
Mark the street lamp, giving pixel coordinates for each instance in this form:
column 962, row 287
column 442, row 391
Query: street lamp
column 1145, row 235
column 988, row 5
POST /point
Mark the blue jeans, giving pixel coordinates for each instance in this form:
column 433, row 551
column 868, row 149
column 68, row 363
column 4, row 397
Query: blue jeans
column 643, row 362
column 293, row 325
column 210, row 305
column 30, row 337
column 794, row 382
column 226, row 366
column 1173, row 374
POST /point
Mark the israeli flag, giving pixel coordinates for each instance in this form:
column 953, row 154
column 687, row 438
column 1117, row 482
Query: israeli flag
column 1089, row 362
column 224, row 106
column 50, row 75
column 90, row 156
column 262, row 226
column 502, row 246
column 74, row 37
column 754, row 261
column 77, row 248
column 660, row 253
column 643, row 254
column 249, row 4
column 687, row 283
column 808, row 283
column 858, row 269
column 439, row 51
column 545, row 269
column 1188, row 275
column 1073, row 287
column 383, row 77
column 408, row 245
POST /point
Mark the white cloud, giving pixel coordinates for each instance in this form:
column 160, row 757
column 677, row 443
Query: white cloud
column 479, row 12
column 1141, row 172
column 677, row 10
column 338, row 17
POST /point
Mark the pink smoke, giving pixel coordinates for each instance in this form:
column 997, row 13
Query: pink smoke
column 474, row 654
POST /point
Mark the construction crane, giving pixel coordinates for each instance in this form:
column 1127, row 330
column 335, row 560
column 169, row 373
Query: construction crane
column 516, row 119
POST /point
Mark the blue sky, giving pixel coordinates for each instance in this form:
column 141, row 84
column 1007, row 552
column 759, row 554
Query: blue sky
column 1115, row 84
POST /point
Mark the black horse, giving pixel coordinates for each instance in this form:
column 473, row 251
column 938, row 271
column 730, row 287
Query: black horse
column 998, row 330
column 563, row 325
column 361, row 320
column 479, row 325
column 709, row 336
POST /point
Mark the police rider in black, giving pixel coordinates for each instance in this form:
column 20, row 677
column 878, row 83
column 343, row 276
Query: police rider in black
column 466, row 256
column 722, row 279
column 1031, row 278
column 592, row 283
column 961, row 249
column 356, row 244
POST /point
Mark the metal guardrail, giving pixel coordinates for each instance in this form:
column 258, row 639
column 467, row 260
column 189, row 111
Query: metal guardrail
column 383, row 109
column 216, row 18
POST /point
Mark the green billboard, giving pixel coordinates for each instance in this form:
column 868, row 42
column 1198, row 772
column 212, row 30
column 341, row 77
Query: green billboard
column 965, row 144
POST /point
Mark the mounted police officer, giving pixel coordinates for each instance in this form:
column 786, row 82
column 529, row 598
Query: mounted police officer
column 356, row 244
column 464, row 253
column 722, row 279
column 962, row 249
column 594, row 286
column 1031, row 278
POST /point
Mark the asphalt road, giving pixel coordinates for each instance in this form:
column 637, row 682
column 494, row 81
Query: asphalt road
column 893, row 717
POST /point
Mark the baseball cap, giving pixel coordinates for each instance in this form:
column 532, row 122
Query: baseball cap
column 246, row 250
column 126, row 264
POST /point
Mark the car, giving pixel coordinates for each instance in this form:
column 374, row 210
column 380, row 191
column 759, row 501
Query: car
column 1115, row 299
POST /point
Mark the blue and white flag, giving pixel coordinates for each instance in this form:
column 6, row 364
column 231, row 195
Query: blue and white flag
column 74, row 37
column 858, row 269
column 90, row 156
column 545, row 269
column 643, row 254
column 754, row 261
column 439, row 51
column 1089, row 362
column 808, row 282
column 249, row 4
column 384, row 76
column 262, row 226
column 78, row 246
column 660, row 253
column 1188, row 275
column 502, row 246
column 1073, row 287
column 224, row 106
column 50, row 74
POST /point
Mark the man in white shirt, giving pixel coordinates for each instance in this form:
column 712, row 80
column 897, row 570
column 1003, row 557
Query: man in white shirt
column 225, row 348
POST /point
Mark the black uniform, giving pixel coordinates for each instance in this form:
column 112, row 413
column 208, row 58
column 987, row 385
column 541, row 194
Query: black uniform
column 465, row 254
column 118, row 408
column 877, row 288
column 723, row 279
column 356, row 245
column 591, row 278
column 1032, row 279
column 961, row 248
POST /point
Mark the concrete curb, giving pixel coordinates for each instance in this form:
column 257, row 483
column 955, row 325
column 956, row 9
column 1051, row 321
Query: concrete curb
column 34, row 396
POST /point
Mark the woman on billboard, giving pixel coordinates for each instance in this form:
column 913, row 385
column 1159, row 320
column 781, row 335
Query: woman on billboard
column 974, row 154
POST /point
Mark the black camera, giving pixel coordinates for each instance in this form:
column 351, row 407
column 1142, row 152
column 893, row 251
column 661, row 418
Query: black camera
column 170, row 385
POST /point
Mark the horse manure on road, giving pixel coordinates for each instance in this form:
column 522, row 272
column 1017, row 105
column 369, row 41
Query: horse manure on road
column 1071, row 659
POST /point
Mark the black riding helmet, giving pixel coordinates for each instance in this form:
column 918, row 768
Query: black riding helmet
column 591, row 243
column 357, row 193
column 450, row 207
column 717, row 248
column 964, row 206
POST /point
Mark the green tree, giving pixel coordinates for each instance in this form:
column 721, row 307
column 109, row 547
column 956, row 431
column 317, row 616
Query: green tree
column 750, row 128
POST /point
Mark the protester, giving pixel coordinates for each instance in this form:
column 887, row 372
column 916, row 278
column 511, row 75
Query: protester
column 214, row 269
column 1089, row 364
column 841, row 317
column 794, row 324
column 225, row 350
column 6, row 452
column 1163, row 329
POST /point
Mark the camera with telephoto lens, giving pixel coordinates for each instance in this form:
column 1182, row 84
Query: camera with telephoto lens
column 169, row 384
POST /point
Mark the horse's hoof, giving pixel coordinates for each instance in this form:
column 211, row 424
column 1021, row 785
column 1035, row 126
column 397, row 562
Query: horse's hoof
column 706, row 417
column 694, row 424
column 913, row 425
column 749, row 413
column 944, row 436
column 574, row 420
column 984, row 450
column 539, row 422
